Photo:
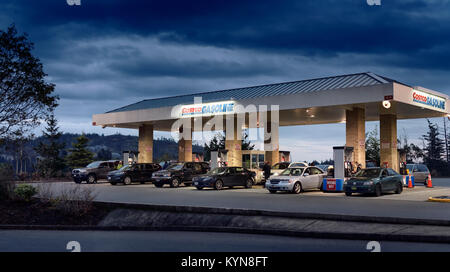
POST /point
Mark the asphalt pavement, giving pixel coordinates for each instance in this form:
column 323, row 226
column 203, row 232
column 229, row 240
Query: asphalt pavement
column 412, row 203
column 158, row 241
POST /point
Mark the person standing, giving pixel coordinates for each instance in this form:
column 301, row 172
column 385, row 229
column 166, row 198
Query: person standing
column 266, row 170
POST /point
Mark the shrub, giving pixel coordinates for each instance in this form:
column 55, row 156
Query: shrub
column 75, row 200
column 25, row 192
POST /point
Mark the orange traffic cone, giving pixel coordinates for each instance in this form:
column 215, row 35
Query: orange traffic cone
column 429, row 183
column 410, row 182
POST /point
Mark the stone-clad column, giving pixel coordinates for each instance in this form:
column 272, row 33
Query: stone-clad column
column 233, row 141
column 388, row 141
column 145, row 144
column 185, row 146
column 356, row 134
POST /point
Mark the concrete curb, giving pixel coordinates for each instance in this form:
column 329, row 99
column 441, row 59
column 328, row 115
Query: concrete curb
column 276, row 232
column 299, row 215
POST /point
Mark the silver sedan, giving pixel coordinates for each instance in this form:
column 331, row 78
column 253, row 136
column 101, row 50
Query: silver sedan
column 296, row 180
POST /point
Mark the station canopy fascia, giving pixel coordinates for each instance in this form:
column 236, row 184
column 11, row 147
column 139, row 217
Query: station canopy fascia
column 304, row 102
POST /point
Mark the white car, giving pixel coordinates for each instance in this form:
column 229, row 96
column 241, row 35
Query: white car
column 296, row 180
column 298, row 164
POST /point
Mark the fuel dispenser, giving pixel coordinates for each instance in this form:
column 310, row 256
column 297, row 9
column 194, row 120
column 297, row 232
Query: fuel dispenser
column 342, row 169
column 219, row 158
column 408, row 178
column 130, row 157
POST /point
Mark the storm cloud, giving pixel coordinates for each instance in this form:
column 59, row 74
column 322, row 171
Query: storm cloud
column 119, row 52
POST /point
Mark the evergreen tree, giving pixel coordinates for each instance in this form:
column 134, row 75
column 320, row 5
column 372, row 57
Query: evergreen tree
column 50, row 162
column 79, row 155
column 373, row 146
column 434, row 145
column 104, row 155
column 218, row 142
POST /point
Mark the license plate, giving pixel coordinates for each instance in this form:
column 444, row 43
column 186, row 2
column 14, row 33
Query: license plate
column 354, row 188
column 157, row 179
column 274, row 187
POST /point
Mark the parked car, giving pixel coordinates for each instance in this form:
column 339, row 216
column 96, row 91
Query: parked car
column 181, row 172
column 225, row 177
column 298, row 164
column 93, row 171
column 278, row 168
column 375, row 181
column 296, row 180
column 419, row 171
column 138, row 172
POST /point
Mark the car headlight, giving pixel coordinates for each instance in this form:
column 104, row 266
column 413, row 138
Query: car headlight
column 368, row 183
column 292, row 180
column 276, row 174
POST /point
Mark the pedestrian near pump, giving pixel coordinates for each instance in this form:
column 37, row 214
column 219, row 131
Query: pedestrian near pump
column 266, row 170
column 119, row 165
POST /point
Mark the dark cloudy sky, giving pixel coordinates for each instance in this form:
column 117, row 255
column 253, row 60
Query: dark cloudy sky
column 108, row 53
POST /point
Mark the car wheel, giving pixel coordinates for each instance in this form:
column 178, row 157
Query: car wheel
column 348, row 193
column 297, row 188
column 113, row 183
column 199, row 188
column 142, row 182
column 91, row 178
column 272, row 191
column 175, row 183
column 218, row 185
column 378, row 190
column 249, row 184
column 77, row 181
column 399, row 188
column 127, row 181
column 158, row 185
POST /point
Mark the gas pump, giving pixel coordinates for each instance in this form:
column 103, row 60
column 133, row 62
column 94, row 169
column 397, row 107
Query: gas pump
column 408, row 179
column 130, row 157
column 219, row 158
column 342, row 169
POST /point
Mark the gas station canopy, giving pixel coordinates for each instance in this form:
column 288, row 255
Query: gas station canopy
column 305, row 102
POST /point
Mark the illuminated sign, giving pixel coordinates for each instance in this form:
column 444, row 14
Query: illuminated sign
column 428, row 100
column 208, row 109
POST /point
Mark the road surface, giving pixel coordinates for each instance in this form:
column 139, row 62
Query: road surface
column 157, row 241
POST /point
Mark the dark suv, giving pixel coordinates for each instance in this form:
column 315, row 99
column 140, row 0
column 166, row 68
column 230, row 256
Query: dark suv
column 181, row 172
column 138, row 172
column 93, row 171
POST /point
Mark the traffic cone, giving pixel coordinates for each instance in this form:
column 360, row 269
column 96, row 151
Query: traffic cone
column 410, row 185
column 429, row 183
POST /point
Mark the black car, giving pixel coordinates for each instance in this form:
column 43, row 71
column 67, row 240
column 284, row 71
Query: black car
column 225, row 177
column 181, row 172
column 138, row 172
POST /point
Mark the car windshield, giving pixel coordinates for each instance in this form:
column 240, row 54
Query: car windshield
column 410, row 167
column 218, row 170
column 124, row 168
column 368, row 173
column 292, row 172
column 175, row 166
column 93, row 164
